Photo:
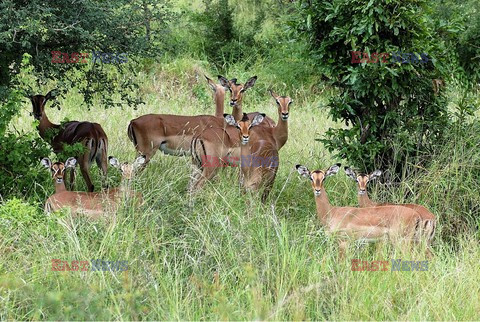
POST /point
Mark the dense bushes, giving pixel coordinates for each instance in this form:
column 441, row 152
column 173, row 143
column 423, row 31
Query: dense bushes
column 392, row 113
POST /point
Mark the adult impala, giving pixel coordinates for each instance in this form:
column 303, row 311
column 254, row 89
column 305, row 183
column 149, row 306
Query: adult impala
column 224, row 143
column 429, row 220
column 237, row 91
column 172, row 134
column 93, row 204
column 370, row 224
column 91, row 135
column 259, row 153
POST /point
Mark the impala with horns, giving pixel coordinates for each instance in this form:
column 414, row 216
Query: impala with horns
column 429, row 220
column 91, row 135
column 172, row 134
column 224, row 143
column 93, row 204
column 369, row 224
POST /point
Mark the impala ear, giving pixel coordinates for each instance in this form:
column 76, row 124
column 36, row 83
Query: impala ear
column 250, row 83
column 350, row 173
column 71, row 162
column 51, row 94
column 223, row 81
column 230, row 120
column 274, row 95
column 46, row 163
column 257, row 119
column 212, row 85
column 139, row 161
column 113, row 162
column 303, row 171
column 333, row 170
column 374, row 175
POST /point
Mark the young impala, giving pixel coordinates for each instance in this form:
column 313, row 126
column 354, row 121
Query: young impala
column 370, row 224
column 172, row 134
column 224, row 143
column 93, row 204
column 91, row 135
column 429, row 220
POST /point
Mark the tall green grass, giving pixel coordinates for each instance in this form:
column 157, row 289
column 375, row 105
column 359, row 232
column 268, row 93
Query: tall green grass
column 225, row 255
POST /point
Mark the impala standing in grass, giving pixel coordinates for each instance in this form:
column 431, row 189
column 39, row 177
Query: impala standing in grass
column 224, row 143
column 172, row 134
column 257, row 143
column 91, row 135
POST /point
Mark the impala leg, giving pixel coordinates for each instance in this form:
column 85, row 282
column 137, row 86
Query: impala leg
column 198, row 181
column 84, row 168
column 342, row 249
column 71, row 178
column 101, row 161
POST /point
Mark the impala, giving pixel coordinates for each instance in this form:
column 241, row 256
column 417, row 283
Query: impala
column 370, row 224
column 218, row 96
column 223, row 144
column 93, row 204
column 236, row 97
column 91, row 135
column 256, row 142
column 429, row 220
column 172, row 134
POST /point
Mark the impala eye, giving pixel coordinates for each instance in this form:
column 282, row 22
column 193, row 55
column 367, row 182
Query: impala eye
column 278, row 103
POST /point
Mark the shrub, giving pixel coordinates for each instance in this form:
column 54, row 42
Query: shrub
column 392, row 115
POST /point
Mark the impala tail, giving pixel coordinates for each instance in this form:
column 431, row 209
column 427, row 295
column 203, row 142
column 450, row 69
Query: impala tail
column 131, row 134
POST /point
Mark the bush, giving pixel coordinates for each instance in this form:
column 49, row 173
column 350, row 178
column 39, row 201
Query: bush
column 392, row 115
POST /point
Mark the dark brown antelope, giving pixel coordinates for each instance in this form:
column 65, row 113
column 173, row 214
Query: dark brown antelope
column 429, row 220
column 91, row 135
column 396, row 223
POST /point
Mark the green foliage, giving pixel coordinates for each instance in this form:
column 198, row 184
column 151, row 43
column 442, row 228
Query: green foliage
column 21, row 153
column 38, row 28
column 216, row 31
column 390, row 110
column 457, row 26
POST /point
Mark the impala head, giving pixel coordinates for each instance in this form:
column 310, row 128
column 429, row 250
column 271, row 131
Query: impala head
column 362, row 179
column 214, row 86
column 318, row 176
column 236, row 90
column 244, row 125
column 39, row 102
column 127, row 169
column 58, row 168
column 283, row 103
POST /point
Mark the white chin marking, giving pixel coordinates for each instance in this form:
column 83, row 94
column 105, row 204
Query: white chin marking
column 317, row 193
column 59, row 180
column 361, row 192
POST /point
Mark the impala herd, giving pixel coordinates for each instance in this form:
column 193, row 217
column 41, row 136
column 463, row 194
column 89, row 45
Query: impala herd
column 223, row 136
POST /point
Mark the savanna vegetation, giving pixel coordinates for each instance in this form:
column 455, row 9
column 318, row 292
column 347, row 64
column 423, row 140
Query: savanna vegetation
column 225, row 254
